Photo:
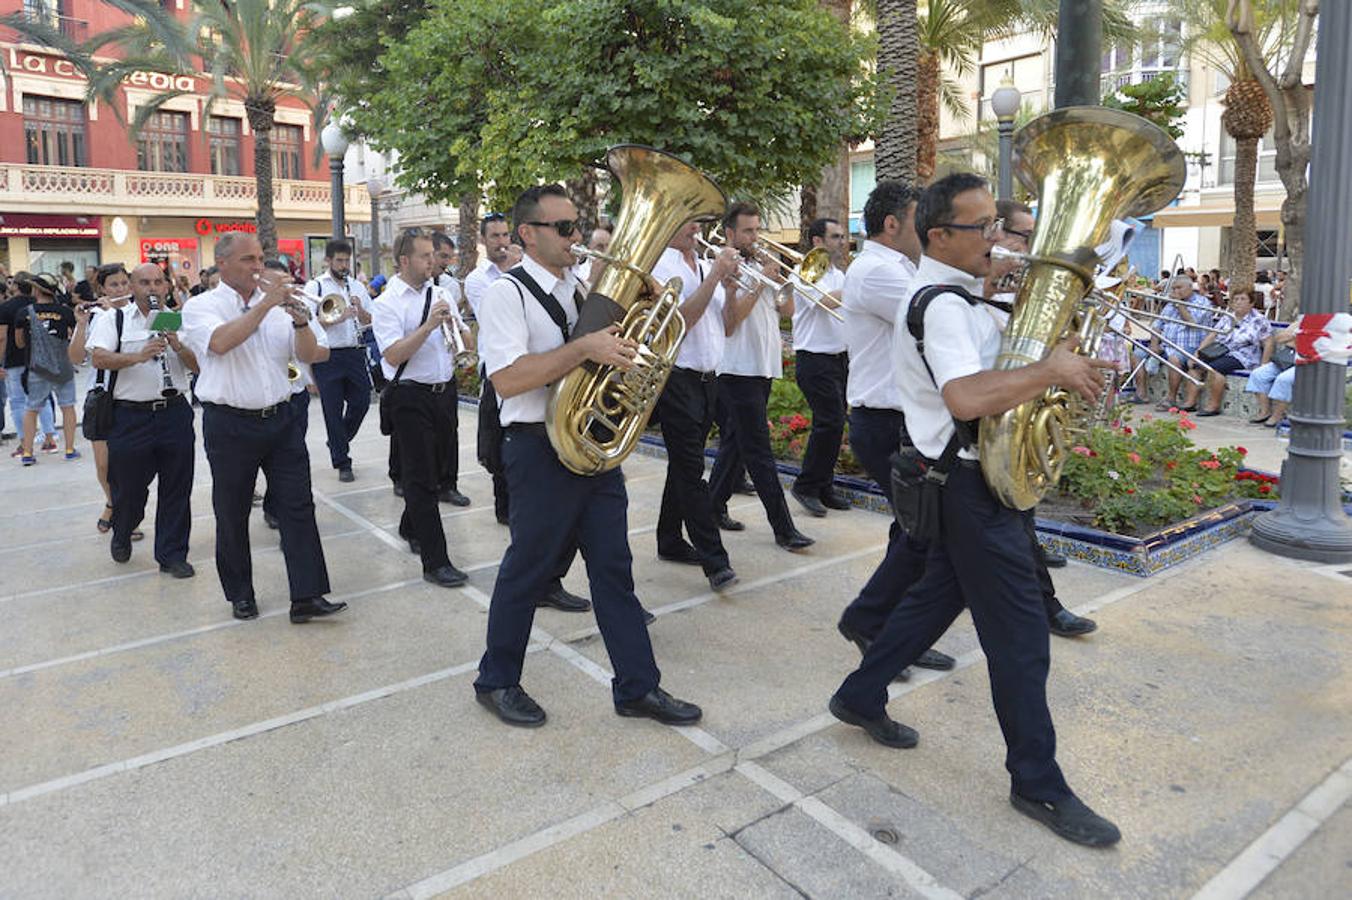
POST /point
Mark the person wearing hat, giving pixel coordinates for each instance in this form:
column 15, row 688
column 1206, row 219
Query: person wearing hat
column 59, row 320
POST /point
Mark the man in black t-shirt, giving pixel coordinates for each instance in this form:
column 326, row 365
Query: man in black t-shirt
column 16, row 358
column 59, row 320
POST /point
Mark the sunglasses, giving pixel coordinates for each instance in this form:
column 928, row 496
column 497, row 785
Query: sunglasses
column 495, row 217
column 565, row 227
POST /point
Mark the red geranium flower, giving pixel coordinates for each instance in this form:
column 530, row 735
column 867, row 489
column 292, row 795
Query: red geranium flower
column 1264, row 488
column 1242, row 451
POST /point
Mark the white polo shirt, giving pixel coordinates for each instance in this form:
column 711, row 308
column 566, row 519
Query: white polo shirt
column 960, row 340
column 145, row 380
column 513, row 324
column 398, row 314
column 253, row 374
column 477, row 284
column 754, row 348
column 876, row 289
column 814, row 329
column 347, row 333
column 702, row 347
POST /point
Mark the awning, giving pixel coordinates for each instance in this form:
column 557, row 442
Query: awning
column 1267, row 212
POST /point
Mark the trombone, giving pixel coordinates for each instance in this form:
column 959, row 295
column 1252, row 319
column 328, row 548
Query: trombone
column 1191, row 304
column 749, row 278
column 808, row 268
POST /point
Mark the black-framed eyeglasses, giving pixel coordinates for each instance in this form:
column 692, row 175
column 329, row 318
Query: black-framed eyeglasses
column 565, row 227
column 1025, row 235
column 989, row 230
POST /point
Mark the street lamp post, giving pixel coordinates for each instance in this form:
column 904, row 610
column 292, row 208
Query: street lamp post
column 335, row 145
column 1005, row 103
column 375, row 187
column 1079, row 42
column 1310, row 522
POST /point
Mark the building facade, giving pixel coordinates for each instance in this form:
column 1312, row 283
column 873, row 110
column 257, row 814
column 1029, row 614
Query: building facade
column 76, row 186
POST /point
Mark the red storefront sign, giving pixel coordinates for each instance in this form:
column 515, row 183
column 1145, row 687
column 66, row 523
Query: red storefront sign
column 39, row 225
column 153, row 248
column 205, row 227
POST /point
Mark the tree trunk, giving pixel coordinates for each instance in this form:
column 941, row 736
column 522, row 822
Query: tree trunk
column 582, row 191
column 927, row 115
column 1293, row 222
column 467, row 233
column 833, row 193
column 1243, row 234
column 261, row 113
column 898, row 48
column 807, row 213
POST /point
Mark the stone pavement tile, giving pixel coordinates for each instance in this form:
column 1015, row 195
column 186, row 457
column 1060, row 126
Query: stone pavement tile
column 91, row 712
column 678, row 847
column 1321, row 863
column 355, row 803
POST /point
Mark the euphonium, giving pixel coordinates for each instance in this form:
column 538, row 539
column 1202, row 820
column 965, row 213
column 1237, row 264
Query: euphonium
column 597, row 413
column 1087, row 166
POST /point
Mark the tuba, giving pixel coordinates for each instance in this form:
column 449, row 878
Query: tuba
column 597, row 413
column 1087, row 166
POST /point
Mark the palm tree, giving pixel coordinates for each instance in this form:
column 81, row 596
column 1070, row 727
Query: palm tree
column 898, row 50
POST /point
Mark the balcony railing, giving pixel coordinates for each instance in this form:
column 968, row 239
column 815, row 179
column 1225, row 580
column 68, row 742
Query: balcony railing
column 25, row 188
column 1109, row 82
column 72, row 29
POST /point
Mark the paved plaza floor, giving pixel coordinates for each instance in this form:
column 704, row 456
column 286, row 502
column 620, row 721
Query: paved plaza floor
column 152, row 746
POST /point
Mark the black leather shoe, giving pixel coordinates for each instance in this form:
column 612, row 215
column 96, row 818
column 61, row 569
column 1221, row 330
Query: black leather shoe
column 453, row 497
column 794, row 540
column 345, row 474
column 658, row 704
column 179, row 569
column 446, row 576
column 271, row 521
column 857, row 638
column 512, row 706
column 814, row 506
column 1066, row 624
column 398, row 490
column 1070, row 819
column 245, row 609
column 314, row 608
column 121, row 552
column 746, row 487
column 1053, row 560
column 728, row 523
column 883, row 729
column 832, row 500
column 933, row 659
column 503, row 520
column 683, row 554
column 723, row 579
column 563, row 601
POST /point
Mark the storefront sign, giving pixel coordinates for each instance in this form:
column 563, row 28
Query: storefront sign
column 205, row 227
column 153, row 247
column 159, row 81
column 37, row 225
column 41, row 65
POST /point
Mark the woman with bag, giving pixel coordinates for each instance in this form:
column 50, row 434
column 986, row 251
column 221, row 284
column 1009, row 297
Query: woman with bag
column 1224, row 354
column 1273, row 380
column 45, row 329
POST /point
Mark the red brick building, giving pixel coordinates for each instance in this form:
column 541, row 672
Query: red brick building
column 75, row 186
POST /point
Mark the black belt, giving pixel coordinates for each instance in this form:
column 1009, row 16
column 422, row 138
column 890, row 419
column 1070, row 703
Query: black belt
column 353, row 347
column 152, row 405
column 702, row 376
column 438, row 388
column 876, row 409
column 266, row 412
column 526, row 428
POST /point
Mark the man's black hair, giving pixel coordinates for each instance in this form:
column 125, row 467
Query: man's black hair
column 442, row 239
column 491, row 217
column 336, row 246
column 818, row 228
column 934, row 209
column 108, row 271
column 890, row 197
column 735, row 211
column 527, row 206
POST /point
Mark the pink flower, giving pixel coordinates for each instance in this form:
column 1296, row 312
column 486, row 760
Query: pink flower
column 1147, row 418
column 1134, row 456
column 1131, row 490
column 1196, row 498
column 1210, row 464
column 1174, row 410
column 1117, row 423
column 1126, row 429
column 1082, row 451
column 1187, row 424
column 1171, row 465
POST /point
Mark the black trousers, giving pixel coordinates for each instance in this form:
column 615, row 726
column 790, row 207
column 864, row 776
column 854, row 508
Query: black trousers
column 982, row 563
column 424, row 438
column 345, row 392
column 238, row 447
column 144, row 445
column 551, row 508
column 723, row 419
column 746, row 442
column 448, row 418
column 685, row 412
column 821, row 377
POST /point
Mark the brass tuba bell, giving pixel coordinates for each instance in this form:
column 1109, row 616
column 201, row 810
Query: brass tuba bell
column 1088, row 166
column 597, row 413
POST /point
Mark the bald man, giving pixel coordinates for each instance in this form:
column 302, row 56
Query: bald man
column 152, row 435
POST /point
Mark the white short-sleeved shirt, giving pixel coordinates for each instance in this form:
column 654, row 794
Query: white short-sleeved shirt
column 398, row 314
column 876, row 290
column 702, row 347
column 307, row 374
column 347, row 333
column 960, row 340
column 513, row 324
column 145, row 380
column 754, row 348
column 477, row 284
column 814, row 329
column 253, row 374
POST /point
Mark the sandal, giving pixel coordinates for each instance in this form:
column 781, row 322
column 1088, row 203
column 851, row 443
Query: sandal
column 105, row 524
column 1208, row 412
column 1164, row 406
column 1259, row 420
column 1188, row 409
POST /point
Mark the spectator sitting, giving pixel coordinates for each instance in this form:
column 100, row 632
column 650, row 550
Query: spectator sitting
column 1273, row 380
column 1243, row 345
column 1179, row 334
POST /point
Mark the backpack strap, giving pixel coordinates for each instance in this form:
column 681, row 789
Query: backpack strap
column 550, row 303
column 427, row 305
column 112, row 376
column 964, row 432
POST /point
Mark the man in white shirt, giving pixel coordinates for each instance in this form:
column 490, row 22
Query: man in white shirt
column 243, row 333
column 821, row 367
column 686, row 409
column 152, row 434
column 409, row 322
column 751, row 362
column 524, row 327
column 982, row 560
column 497, row 238
column 344, row 380
column 443, row 264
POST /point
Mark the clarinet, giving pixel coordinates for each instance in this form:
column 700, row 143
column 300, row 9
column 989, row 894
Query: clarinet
column 167, row 388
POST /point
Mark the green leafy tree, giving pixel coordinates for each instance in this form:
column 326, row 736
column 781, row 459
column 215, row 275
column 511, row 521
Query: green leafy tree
column 1160, row 100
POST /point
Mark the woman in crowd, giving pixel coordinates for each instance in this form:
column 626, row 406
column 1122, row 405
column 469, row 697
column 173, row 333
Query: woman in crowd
column 1272, row 381
column 1243, row 345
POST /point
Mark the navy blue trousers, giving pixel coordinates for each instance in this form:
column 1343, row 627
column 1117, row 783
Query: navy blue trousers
column 983, row 563
column 300, row 408
column 238, row 448
column 345, row 393
column 144, row 445
column 821, row 377
column 551, row 508
column 746, row 442
column 685, row 411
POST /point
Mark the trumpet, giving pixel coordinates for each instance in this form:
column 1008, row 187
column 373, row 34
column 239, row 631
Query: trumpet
column 807, row 267
column 749, row 278
column 455, row 345
column 292, row 371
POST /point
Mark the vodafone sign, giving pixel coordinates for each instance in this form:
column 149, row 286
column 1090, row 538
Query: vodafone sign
column 205, row 227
